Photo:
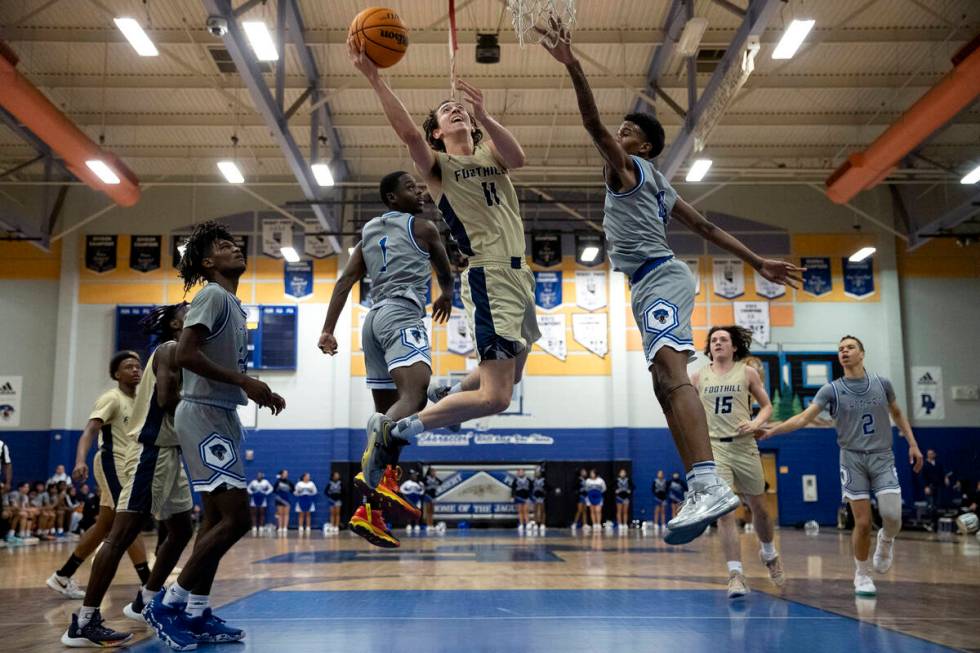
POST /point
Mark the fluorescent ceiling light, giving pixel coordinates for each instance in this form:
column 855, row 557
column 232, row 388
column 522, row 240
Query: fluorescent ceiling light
column 136, row 36
column 289, row 254
column 589, row 253
column 102, row 171
column 322, row 174
column 971, row 177
column 861, row 254
column 690, row 40
column 792, row 39
column 261, row 40
column 231, row 172
column 698, row 170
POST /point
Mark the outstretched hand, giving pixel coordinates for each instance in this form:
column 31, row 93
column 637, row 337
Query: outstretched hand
column 915, row 458
column 782, row 272
column 358, row 57
column 475, row 97
column 562, row 49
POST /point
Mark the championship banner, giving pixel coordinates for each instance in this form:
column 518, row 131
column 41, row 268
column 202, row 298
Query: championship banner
column 553, row 340
column 927, row 393
column 590, row 290
column 315, row 246
column 145, row 253
column 591, row 330
column 458, row 292
column 859, row 278
column 754, row 316
column 817, row 279
column 694, row 264
column 11, row 388
column 276, row 234
column 100, row 253
column 767, row 288
column 546, row 248
column 547, row 289
column 728, row 275
column 458, row 339
column 298, row 279
column 364, row 292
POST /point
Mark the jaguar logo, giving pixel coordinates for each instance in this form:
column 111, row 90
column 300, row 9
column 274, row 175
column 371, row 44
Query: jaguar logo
column 660, row 315
column 219, row 450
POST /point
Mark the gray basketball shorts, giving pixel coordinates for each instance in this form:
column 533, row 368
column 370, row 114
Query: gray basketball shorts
column 862, row 473
column 211, row 443
column 393, row 336
column 662, row 303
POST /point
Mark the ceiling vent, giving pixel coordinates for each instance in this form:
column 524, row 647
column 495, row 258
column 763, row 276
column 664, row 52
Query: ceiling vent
column 222, row 59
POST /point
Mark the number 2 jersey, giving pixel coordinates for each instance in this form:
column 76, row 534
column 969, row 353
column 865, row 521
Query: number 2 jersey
column 725, row 398
column 860, row 409
column 395, row 263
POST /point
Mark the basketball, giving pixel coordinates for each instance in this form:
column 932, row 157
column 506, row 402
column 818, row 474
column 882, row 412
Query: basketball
column 383, row 33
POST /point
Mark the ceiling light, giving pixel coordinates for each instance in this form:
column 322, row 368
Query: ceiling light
column 589, row 253
column 322, row 174
column 690, row 40
column 698, row 170
column 102, row 171
column 231, row 172
column 261, row 40
column 136, row 36
column 289, row 254
column 792, row 39
column 971, row 177
column 861, row 254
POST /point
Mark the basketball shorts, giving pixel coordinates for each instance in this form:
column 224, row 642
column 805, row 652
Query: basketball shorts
column 663, row 301
column 862, row 473
column 595, row 498
column 499, row 304
column 393, row 336
column 210, row 441
column 305, row 504
column 740, row 465
column 257, row 500
column 157, row 484
column 110, row 475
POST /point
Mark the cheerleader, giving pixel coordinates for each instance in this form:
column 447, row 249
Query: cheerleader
column 520, row 487
column 335, row 493
column 538, row 494
column 580, row 510
column 413, row 492
column 305, row 496
column 676, row 490
column 432, row 484
column 258, row 494
column 659, row 488
column 283, row 489
column 624, row 493
column 595, row 487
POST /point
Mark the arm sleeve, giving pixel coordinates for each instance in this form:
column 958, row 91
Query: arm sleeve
column 209, row 309
column 889, row 389
column 105, row 407
column 825, row 398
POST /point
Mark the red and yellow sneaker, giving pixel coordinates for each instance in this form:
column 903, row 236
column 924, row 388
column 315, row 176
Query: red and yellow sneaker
column 387, row 493
column 369, row 524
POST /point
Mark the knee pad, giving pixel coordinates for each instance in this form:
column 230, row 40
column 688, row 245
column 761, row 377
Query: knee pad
column 890, row 509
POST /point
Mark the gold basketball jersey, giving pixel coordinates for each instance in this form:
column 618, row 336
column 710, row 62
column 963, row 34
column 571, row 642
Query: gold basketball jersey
column 479, row 204
column 115, row 408
column 151, row 424
column 725, row 398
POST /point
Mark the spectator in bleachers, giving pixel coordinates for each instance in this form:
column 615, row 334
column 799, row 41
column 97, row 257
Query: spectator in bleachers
column 59, row 475
column 22, row 516
column 933, row 473
column 6, row 470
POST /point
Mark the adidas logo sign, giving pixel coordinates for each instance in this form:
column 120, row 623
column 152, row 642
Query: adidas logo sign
column 926, row 378
column 7, row 389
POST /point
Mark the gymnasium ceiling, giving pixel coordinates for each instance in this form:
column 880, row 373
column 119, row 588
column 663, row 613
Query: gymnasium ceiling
column 174, row 115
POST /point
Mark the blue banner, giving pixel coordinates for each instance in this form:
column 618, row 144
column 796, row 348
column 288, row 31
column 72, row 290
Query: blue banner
column 457, row 292
column 859, row 278
column 298, row 279
column 817, row 279
column 547, row 289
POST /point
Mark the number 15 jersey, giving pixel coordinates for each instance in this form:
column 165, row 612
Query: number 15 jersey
column 725, row 398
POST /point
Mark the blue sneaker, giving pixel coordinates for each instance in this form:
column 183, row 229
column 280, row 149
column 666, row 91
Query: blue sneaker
column 170, row 622
column 211, row 629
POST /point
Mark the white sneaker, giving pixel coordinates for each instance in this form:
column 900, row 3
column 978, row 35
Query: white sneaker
column 67, row 587
column 586, row 529
column 520, row 529
column 883, row 557
column 737, row 587
column 702, row 506
column 542, row 529
column 255, row 531
column 863, row 585
column 437, row 391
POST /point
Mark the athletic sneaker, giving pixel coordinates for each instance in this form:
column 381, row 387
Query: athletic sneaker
column 883, row 557
column 387, row 492
column 134, row 610
column 382, row 448
column 211, row 629
column 369, row 523
column 170, row 622
column 438, row 391
column 702, row 506
column 863, row 585
column 737, row 587
column 67, row 587
column 93, row 634
column 775, row 568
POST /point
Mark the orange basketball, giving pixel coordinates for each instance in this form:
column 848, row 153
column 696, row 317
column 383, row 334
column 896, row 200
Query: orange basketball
column 383, row 33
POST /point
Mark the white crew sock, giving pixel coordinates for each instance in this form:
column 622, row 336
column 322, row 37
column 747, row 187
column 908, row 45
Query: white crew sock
column 734, row 565
column 85, row 615
column 705, row 473
column 768, row 550
column 176, row 595
column 863, row 567
column 197, row 604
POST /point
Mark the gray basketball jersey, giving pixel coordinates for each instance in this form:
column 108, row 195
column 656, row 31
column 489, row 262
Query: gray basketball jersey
column 226, row 345
column 860, row 409
column 395, row 263
column 636, row 219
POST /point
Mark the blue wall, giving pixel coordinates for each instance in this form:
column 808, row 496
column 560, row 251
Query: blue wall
column 811, row 451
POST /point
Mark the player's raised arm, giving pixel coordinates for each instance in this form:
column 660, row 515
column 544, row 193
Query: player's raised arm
column 772, row 269
column 398, row 116
column 353, row 272
column 429, row 238
column 504, row 146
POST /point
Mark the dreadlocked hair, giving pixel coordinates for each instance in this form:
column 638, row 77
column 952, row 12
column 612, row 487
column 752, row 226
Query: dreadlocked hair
column 741, row 340
column 157, row 322
column 199, row 245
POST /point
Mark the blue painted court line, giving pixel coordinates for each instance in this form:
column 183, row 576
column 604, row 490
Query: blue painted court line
column 693, row 621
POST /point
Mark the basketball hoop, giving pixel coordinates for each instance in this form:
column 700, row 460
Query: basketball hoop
column 530, row 16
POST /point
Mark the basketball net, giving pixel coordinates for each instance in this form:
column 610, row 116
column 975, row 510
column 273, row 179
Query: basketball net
column 453, row 47
column 532, row 17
